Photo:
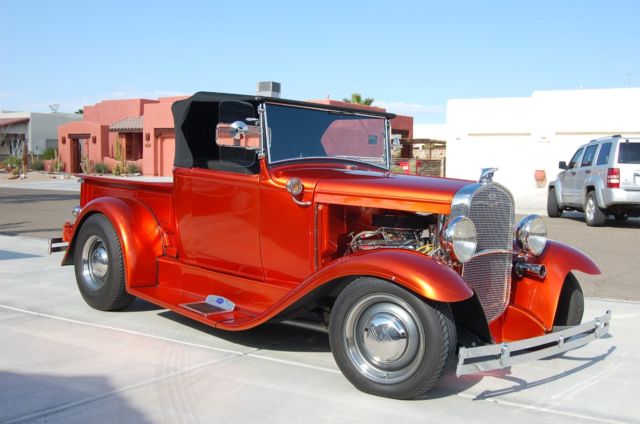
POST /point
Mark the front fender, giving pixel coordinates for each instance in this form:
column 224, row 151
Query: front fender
column 540, row 297
column 139, row 232
column 417, row 272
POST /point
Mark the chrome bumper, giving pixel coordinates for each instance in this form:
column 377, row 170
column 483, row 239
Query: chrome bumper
column 503, row 355
column 57, row 245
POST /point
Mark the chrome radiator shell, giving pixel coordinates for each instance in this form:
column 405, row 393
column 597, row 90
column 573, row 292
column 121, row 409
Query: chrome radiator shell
column 491, row 208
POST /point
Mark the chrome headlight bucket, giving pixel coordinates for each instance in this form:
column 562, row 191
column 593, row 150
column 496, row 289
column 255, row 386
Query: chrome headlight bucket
column 459, row 239
column 531, row 234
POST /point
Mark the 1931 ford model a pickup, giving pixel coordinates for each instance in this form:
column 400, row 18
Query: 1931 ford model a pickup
column 283, row 210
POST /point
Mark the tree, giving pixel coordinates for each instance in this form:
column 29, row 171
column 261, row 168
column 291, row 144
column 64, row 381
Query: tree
column 79, row 111
column 356, row 99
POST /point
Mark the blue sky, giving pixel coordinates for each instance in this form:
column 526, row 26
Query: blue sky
column 410, row 56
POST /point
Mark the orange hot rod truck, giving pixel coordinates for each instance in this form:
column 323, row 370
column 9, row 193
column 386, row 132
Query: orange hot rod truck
column 287, row 211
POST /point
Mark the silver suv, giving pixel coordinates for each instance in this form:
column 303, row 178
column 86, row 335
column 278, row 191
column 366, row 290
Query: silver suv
column 601, row 179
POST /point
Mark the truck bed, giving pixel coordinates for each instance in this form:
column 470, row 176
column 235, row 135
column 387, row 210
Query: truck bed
column 157, row 196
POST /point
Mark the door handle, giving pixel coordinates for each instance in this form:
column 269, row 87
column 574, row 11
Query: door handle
column 588, row 171
column 300, row 203
column 573, row 173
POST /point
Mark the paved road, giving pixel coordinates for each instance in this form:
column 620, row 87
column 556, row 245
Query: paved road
column 35, row 213
column 615, row 247
column 62, row 362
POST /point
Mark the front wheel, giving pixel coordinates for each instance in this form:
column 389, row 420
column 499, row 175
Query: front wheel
column 570, row 304
column 99, row 265
column 387, row 341
column 553, row 210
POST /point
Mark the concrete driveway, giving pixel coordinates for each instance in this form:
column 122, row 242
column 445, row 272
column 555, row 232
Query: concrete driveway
column 62, row 362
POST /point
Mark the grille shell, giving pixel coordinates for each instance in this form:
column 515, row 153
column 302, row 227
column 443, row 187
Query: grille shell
column 491, row 208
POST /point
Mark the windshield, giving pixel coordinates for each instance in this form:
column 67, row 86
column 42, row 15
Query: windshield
column 299, row 133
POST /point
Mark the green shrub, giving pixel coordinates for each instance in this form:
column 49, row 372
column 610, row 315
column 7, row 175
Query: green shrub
column 102, row 168
column 49, row 153
column 132, row 168
column 36, row 163
column 57, row 164
column 11, row 163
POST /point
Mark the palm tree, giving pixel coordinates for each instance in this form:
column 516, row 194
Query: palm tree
column 356, row 99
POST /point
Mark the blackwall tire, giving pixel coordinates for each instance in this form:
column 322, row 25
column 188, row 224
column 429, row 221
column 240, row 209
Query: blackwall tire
column 387, row 341
column 553, row 211
column 593, row 215
column 570, row 304
column 99, row 265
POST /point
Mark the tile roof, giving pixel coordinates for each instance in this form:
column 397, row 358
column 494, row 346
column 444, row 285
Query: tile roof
column 129, row 124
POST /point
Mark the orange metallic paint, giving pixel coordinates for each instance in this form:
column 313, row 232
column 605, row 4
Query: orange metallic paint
column 139, row 232
column 243, row 237
column 258, row 301
column 533, row 300
column 389, row 191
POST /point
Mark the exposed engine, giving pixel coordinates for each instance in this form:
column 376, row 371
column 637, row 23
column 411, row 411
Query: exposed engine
column 397, row 231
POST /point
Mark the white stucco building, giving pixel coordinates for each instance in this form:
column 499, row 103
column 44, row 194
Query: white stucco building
column 40, row 130
column 520, row 135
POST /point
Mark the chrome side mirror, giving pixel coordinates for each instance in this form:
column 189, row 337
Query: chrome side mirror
column 238, row 130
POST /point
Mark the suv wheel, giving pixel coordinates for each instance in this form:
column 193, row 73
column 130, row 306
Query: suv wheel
column 552, row 204
column 593, row 215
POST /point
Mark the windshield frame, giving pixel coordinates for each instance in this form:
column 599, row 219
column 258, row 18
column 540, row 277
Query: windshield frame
column 267, row 136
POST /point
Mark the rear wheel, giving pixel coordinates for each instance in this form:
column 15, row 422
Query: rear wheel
column 552, row 204
column 387, row 341
column 570, row 304
column 99, row 265
column 593, row 215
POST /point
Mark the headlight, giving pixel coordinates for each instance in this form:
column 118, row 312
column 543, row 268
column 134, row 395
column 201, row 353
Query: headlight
column 459, row 239
column 531, row 234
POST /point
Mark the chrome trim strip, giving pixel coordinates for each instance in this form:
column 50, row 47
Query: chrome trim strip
column 494, row 252
column 504, row 355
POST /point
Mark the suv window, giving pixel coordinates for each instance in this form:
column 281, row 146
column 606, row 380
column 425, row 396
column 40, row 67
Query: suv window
column 603, row 156
column 629, row 153
column 589, row 154
column 576, row 157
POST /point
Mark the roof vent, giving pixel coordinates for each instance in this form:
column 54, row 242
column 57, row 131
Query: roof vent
column 269, row 89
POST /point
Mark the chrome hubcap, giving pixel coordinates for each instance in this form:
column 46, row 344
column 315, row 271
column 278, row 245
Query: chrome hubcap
column 384, row 338
column 95, row 263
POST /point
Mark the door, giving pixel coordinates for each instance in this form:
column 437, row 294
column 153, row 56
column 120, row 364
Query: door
column 568, row 179
column 225, row 213
column 583, row 172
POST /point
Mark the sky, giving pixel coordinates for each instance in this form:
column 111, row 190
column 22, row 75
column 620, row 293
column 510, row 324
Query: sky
column 411, row 57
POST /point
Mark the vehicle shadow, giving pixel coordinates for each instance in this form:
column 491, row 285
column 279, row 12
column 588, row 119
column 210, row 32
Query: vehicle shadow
column 37, row 397
column 521, row 384
column 613, row 223
column 284, row 338
column 268, row 336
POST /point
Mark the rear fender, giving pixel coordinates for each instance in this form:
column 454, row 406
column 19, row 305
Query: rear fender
column 540, row 296
column 139, row 232
column 419, row 273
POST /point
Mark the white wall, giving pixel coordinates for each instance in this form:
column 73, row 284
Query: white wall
column 44, row 126
column 522, row 134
